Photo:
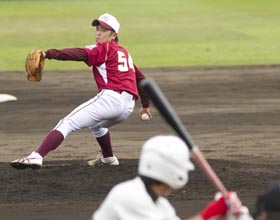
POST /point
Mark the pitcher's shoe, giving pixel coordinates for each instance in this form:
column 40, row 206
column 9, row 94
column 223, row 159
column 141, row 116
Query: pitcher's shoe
column 100, row 161
column 34, row 161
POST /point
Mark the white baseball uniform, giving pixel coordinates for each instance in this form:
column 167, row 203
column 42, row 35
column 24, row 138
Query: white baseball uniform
column 130, row 201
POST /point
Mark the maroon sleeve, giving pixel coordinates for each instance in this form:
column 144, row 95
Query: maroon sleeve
column 74, row 54
column 143, row 95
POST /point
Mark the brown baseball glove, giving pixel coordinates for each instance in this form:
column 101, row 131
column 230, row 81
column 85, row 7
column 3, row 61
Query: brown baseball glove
column 34, row 65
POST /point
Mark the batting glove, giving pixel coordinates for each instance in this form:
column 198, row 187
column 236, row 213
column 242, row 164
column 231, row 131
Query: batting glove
column 222, row 206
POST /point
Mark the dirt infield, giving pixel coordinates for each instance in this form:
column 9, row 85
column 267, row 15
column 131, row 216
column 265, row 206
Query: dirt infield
column 231, row 113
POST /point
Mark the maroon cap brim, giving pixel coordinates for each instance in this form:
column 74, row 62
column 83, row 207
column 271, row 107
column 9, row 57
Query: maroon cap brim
column 96, row 22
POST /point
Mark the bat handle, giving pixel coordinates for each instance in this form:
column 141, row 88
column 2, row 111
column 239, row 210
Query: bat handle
column 199, row 158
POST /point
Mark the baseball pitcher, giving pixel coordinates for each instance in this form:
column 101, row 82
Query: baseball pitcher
column 117, row 79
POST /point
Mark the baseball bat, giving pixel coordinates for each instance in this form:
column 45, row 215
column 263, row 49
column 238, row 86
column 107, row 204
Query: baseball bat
column 169, row 114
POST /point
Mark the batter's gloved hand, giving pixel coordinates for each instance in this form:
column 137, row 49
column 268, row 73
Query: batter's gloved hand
column 243, row 214
column 34, row 65
column 223, row 205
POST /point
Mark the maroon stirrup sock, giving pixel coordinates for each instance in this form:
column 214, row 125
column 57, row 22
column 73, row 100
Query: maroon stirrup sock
column 51, row 142
column 105, row 144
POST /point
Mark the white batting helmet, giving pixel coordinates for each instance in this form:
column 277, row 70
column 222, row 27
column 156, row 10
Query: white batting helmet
column 166, row 159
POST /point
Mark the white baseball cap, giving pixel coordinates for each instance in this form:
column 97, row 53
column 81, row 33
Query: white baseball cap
column 107, row 21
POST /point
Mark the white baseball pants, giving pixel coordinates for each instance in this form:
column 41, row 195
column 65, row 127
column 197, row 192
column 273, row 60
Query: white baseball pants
column 107, row 108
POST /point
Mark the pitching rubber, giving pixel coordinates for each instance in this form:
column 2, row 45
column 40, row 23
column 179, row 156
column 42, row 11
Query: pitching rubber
column 7, row 97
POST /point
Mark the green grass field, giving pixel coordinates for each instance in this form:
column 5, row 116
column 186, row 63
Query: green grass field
column 158, row 33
